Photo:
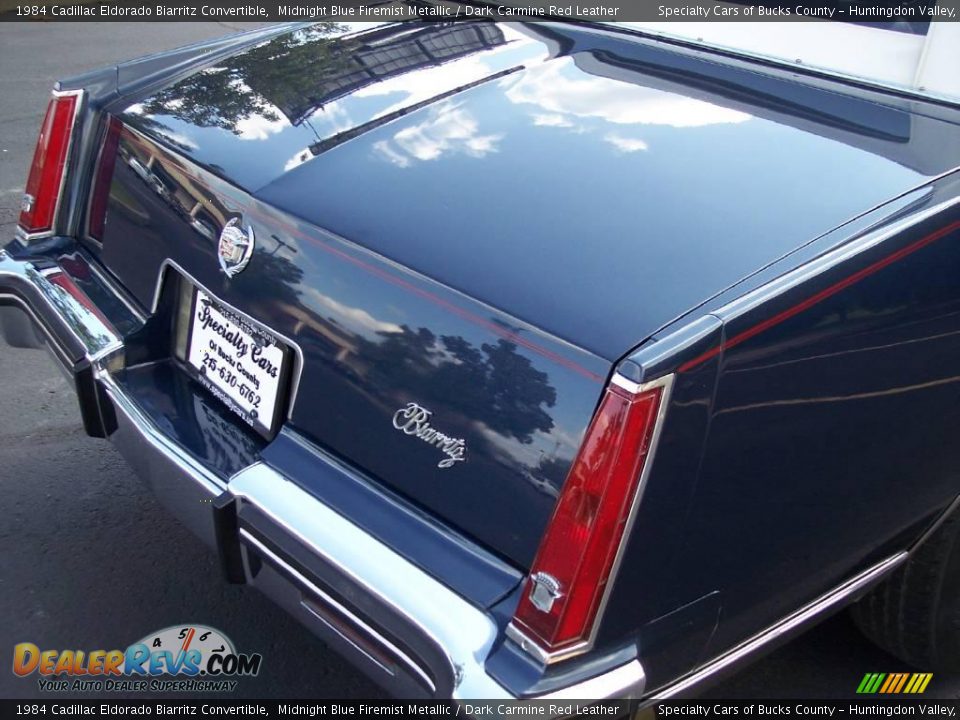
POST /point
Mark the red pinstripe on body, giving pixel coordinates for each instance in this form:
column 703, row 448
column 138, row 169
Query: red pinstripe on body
column 821, row 296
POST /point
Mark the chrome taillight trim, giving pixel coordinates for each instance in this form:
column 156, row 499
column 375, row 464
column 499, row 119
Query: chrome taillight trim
column 531, row 646
column 68, row 168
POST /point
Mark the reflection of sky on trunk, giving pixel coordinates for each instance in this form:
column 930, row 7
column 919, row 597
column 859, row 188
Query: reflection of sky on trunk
column 562, row 97
column 575, row 185
column 447, row 128
column 577, row 160
column 273, row 145
column 559, row 90
column 354, row 320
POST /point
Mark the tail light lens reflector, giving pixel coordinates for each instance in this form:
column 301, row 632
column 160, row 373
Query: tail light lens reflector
column 48, row 169
column 568, row 579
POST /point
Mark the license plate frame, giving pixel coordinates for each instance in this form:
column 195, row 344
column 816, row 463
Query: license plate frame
column 238, row 349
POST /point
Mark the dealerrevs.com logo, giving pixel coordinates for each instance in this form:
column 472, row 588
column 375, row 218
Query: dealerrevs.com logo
column 181, row 658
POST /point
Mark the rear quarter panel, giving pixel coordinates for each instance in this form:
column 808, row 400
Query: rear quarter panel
column 829, row 440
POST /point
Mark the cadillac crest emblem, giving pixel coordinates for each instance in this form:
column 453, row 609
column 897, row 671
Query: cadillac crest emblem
column 235, row 247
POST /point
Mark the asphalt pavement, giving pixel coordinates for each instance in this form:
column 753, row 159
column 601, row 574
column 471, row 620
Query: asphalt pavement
column 88, row 559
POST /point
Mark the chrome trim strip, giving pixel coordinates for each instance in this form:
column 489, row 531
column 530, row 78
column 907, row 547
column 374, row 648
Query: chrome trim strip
column 636, row 388
column 828, row 260
column 951, row 508
column 530, row 646
column 621, row 382
column 359, row 624
column 297, row 371
column 783, row 629
column 533, row 648
column 73, row 154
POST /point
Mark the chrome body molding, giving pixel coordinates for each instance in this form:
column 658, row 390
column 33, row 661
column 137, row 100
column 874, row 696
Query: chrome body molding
column 623, row 683
column 528, row 644
column 623, row 383
column 805, row 272
column 783, row 630
column 541, row 655
column 942, row 518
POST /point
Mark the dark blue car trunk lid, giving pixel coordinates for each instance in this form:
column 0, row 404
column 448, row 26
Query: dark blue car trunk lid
column 477, row 220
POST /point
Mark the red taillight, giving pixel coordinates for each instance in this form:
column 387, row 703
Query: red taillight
column 101, row 183
column 568, row 579
column 48, row 170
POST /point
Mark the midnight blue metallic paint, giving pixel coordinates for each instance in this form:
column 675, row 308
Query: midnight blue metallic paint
column 489, row 232
column 477, row 575
column 828, row 444
column 373, row 337
column 850, row 409
column 191, row 417
column 591, row 154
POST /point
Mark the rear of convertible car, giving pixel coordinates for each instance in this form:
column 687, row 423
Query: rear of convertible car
column 513, row 360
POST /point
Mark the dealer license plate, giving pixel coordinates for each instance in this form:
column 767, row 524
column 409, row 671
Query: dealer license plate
column 240, row 364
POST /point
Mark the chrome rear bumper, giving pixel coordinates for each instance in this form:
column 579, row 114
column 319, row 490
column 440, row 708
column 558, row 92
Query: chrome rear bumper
column 454, row 635
column 400, row 625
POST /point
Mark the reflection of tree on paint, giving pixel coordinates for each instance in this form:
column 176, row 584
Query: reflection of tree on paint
column 492, row 384
column 293, row 75
column 274, row 282
column 221, row 97
column 151, row 126
column 554, row 470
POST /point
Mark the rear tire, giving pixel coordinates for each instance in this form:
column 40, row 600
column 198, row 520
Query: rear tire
column 915, row 613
